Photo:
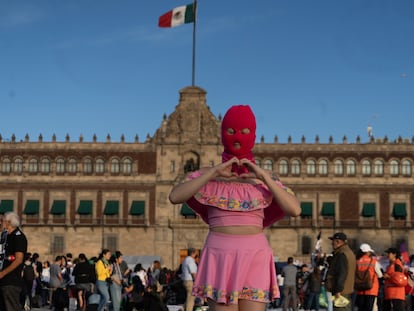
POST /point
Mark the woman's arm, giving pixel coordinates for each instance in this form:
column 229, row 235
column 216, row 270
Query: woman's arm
column 184, row 191
column 287, row 201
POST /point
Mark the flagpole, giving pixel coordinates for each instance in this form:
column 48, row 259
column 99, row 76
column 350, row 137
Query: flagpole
column 194, row 42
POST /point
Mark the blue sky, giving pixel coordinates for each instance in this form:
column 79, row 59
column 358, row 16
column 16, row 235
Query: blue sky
column 321, row 67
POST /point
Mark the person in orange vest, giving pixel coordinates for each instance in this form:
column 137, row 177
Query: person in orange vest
column 394, row 296
column 366, row 299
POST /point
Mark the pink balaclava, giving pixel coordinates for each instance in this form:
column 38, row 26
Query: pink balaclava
column 238, row 118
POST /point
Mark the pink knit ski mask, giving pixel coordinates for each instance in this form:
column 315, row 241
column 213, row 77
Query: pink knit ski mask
column 239, row 140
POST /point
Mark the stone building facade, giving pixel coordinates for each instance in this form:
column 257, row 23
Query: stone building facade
column 82, row 196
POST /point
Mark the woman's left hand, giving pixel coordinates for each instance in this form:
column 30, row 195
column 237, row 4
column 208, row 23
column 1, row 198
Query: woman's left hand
column 254, row 170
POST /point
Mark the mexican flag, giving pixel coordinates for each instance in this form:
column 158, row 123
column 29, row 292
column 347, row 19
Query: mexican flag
column 178, row 16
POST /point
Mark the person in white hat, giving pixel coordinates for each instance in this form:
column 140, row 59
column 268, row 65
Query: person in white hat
column 367, row 264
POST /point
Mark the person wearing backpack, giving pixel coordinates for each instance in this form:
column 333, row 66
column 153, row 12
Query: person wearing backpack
column 134, row 290
column 28, row 278
column 37, row 286
column 369, row 269
column 82, row 272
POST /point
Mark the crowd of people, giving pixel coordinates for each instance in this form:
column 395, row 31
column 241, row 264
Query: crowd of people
column 342, row 280
column 347, row 281
column 103, row 282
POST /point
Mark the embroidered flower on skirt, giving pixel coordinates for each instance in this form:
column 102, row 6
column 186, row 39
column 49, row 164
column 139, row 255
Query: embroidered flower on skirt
column 222, row 296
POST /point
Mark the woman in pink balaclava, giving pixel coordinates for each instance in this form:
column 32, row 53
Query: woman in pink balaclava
column 237, row 199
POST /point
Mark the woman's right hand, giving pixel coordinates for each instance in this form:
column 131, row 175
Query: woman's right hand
column 224, row 169
column 184, row 191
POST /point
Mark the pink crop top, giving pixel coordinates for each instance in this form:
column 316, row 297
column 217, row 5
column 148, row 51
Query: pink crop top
column 219, row 217
column 228, row 203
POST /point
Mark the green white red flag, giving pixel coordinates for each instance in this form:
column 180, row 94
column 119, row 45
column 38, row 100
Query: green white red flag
column 180, row 15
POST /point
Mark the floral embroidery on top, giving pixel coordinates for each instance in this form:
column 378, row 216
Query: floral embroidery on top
column 230, row 203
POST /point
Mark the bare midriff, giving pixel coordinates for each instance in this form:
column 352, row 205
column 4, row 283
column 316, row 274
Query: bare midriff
column 239, row 230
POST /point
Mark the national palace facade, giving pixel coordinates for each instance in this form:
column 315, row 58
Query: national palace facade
column 80, row 196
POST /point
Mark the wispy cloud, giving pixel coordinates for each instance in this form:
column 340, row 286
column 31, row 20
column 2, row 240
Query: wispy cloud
column 130, row 35
column 219, row 23
column 19, row 15
column 136, row 34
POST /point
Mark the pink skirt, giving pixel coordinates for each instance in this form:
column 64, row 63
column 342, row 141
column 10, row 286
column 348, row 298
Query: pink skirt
column 234, row 267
